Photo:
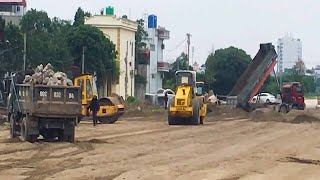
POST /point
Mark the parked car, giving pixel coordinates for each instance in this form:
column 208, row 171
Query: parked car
column 264, row 98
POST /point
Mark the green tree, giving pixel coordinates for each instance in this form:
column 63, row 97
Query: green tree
column 224, row 68
column 12, row 55
column 2, row 27
column 179, row 64
column 100, row 52
column 46, row 39
column 140, row 35
column 79, row 17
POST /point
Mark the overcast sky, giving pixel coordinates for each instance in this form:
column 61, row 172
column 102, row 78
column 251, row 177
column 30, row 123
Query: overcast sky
column 213, row 23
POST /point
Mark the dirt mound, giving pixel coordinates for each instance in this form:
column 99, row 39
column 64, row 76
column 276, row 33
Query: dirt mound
column 305, row 118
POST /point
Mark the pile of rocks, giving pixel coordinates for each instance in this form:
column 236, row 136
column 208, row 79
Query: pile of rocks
column 46, row 76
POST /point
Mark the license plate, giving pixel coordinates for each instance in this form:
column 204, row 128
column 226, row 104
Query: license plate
column 181, row 108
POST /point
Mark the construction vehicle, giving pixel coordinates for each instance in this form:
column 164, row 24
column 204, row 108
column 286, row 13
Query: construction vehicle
column 253, row 78
column 292, row 93
column 110, row 107
column 202, row 97
column 50, row 111
column 187, row 107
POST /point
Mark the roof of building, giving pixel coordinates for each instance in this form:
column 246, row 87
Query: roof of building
column 22, row 2
column 103, row 21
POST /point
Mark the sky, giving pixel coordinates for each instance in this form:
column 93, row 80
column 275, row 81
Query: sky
column 213, row 24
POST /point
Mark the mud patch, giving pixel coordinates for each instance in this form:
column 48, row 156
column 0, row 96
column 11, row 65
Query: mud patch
column 97, row 141
column 14, row 140
column 301, row 160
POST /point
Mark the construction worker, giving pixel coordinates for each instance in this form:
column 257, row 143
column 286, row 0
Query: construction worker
column 94, row 107
column 166, row 100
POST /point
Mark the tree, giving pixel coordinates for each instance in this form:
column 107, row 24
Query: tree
column 12, row 55
column 79, row 17
column 224, row 68
column 2, row 27
column 46, row 39
column 179, row 64
column 100, row 52
column 140, row 35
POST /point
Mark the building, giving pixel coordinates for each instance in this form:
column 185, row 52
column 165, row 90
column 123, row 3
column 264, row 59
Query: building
column 289, row 51
column 300, row 67
column 196, row 67
column 155, row 43
column 13, row 10
column 121, row 31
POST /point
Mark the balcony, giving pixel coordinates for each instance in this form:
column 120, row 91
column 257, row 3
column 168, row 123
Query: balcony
column 144, row 57
column 163, row 67
column 162, row 33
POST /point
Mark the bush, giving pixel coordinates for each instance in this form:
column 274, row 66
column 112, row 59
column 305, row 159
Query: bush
column 140, row 79
column 131, row 99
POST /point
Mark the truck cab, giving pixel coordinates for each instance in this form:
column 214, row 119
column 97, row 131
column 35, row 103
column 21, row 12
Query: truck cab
column 292, row 93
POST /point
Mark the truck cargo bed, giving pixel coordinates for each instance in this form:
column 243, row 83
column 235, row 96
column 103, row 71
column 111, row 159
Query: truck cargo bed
column 255, row 75
column 49, row 101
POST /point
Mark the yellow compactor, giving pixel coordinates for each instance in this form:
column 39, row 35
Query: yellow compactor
column 189, row 105
column 111, row 108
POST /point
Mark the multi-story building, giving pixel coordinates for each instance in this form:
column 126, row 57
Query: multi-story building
column 13, row 10
column 289, row 51
column 121, row 31
column 155, row 43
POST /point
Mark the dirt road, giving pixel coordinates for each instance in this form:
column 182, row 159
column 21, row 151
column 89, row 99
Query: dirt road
column 147, row 148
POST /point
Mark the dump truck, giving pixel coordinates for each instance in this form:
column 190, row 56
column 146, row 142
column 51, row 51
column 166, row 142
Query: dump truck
column 186, row 107
column 292, row 93
column 50, row 111
column 111, row 108
column 250, row 82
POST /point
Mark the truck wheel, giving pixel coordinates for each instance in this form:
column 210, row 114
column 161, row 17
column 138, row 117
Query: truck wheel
column 108, row 120
column 13, row 127
column 195, row 120
column 283, row 109
column 171, row 120
column 201, row 120
column 24, row 132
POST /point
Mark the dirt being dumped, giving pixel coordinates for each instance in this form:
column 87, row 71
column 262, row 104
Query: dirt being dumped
column 264, row 115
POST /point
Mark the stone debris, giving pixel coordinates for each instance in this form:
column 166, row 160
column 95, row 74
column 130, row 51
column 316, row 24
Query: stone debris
column 47, row 76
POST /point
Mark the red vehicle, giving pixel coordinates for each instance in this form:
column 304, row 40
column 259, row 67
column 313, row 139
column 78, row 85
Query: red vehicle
column 292, row 93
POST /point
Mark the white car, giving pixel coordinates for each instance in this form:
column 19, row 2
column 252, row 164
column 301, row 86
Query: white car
column 264, row 98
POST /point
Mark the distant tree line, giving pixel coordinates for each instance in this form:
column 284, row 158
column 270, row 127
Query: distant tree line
column 56, row 41
column 225, row 66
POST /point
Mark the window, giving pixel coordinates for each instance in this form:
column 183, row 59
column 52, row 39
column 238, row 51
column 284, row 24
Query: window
column 88, row 89
column 18, row 9
column 299, row 89
column 199, row 91
column 152, row 47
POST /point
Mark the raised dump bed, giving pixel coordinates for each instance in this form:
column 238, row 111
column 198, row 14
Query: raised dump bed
column 255, row 75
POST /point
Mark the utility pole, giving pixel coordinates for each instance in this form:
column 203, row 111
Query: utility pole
column 24, row 51
column 83, row 56
column 192, row 59
column 188, row 41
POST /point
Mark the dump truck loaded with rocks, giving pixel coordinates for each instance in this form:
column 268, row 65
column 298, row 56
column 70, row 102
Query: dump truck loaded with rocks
column 45, row 103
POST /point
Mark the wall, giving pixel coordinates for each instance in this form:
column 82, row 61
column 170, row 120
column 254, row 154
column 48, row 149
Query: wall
column 120, row 32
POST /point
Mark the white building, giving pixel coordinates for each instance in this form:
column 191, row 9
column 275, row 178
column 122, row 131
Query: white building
column 156, row 67
column 13, row 10
column 289, row 51
column 121, row 32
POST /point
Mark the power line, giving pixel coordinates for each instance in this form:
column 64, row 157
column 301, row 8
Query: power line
column 177, row 46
